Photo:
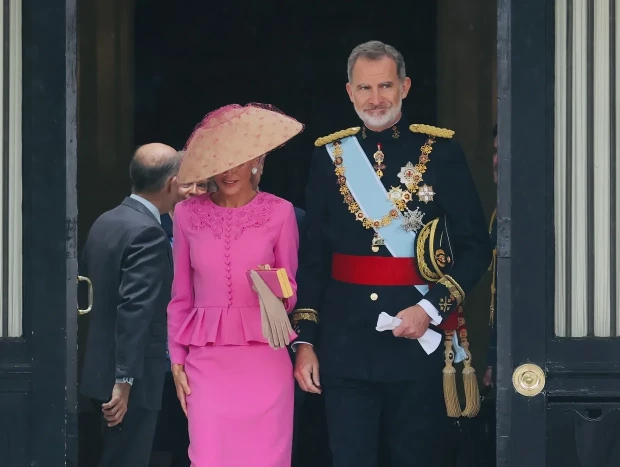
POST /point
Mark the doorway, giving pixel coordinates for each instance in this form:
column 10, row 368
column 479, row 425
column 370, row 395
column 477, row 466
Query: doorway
column 149, row 70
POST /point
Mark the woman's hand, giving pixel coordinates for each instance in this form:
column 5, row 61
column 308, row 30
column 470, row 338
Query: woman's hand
column 181, row 384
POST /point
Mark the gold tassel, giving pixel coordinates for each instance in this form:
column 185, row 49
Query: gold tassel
column 470, row 382
column 450, row 395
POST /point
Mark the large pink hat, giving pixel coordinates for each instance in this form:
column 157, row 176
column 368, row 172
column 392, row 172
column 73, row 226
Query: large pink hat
column 233, row 135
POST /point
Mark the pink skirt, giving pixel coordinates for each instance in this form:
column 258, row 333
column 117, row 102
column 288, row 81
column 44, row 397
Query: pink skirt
column 241, row 407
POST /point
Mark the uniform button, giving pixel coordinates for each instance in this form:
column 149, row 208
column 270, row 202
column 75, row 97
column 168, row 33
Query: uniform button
column 374, row 296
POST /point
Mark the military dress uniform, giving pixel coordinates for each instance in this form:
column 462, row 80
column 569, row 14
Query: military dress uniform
column 355, row 264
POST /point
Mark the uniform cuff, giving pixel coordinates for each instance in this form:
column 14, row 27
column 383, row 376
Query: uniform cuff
column 431, row 311
column 296, row 343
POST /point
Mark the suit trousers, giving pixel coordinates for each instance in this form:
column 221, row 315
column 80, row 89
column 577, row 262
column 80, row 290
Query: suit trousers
column 128, row 444
column 408, row 419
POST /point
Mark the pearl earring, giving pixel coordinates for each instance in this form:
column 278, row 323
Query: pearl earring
column 254, row 171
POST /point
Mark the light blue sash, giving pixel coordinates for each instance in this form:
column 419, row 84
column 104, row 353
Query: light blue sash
column 372, row 198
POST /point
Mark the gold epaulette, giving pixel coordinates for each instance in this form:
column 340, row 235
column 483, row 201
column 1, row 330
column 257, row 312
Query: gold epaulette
column 323, row 140
column 432, row 130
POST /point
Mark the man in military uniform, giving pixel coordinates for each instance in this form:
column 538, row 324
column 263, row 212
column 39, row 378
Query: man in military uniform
column 371, row 190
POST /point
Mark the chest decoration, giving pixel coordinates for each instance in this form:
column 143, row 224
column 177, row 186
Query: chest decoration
column 410, row 175
column 426, row 193
column 379, row 157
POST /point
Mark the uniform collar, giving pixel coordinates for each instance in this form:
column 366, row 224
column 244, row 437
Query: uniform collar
column 391, row 133
column 150, row 206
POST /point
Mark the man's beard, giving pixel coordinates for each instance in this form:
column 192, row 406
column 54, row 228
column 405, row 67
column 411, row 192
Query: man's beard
column 380, row 121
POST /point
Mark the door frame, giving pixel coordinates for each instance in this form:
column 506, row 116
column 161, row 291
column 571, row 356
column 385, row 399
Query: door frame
column 525, row 227
column 49, row 128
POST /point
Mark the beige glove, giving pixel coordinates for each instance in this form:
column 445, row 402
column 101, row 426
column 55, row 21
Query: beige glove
column 267, row 334
column 275, row 312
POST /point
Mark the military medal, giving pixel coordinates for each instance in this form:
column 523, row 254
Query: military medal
column 399, row 197
column 377, row 241
column 410, row 176
column 379, row 157
column 412, row 220
column 426, row 193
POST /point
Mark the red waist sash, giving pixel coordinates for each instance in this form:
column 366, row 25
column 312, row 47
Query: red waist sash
column 375, row 270
column 382, row 270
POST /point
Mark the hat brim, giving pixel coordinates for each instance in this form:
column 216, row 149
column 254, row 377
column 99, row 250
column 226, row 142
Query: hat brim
column 248, row 135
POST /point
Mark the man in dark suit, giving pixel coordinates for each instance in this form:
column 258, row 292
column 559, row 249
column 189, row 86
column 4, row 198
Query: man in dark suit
column 128, row 258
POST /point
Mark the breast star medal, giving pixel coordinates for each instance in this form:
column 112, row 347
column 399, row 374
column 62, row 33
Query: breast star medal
column 426, row 193
column 410, row 176
column 399, row 197
column 412, row 221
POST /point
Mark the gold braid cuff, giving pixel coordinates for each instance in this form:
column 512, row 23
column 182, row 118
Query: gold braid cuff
column 305, row 314
column 322, row 141
column 453, row 287
column 432, row 131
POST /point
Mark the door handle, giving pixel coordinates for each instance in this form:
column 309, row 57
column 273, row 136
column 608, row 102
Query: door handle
column 90, row 295
column 529, row 380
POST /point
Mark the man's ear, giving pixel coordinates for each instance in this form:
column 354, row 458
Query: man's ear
column 172, row 184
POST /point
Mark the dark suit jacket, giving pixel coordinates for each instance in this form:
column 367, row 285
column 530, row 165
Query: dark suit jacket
column 128, row 258
column 300, row 216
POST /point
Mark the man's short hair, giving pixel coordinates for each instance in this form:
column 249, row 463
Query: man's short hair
column 151, row 178
column 495, row 131
column 376, row 50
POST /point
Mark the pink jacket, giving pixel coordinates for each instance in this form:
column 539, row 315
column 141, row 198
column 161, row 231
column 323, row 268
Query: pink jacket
column 212, row 301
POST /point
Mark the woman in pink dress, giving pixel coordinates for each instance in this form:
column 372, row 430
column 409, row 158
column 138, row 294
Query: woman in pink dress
column 236, row 389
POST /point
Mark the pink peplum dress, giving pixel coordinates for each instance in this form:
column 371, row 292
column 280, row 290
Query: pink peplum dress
column 240, row 411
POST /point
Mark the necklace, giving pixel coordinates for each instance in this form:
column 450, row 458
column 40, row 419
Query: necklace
column 397, row 197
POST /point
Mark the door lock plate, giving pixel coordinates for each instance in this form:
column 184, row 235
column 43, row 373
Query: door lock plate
column 528, row 380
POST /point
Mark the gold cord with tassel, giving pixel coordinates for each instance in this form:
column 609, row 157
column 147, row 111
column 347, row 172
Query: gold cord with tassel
column 470, row 382
column 450, row 394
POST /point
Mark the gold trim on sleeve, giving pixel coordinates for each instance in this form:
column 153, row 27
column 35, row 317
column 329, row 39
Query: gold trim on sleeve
column 453, row 287
column 305, row 316
column 307, row 310
column 432, row 130
column 425, row 271
column 431, row 247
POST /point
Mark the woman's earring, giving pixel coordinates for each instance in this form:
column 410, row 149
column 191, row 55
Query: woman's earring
column 254, row 171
